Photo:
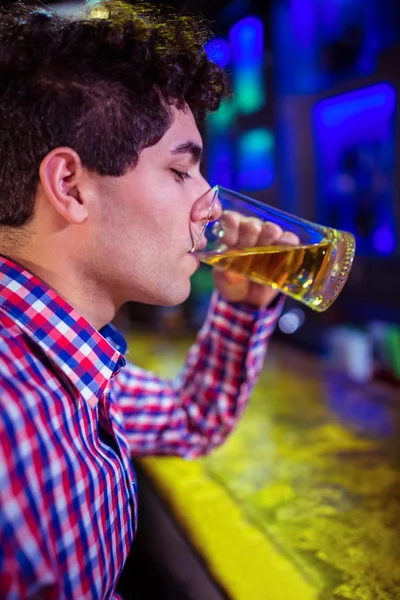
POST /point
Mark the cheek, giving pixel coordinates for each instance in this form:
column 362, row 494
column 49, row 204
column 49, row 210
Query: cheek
column 152, row 224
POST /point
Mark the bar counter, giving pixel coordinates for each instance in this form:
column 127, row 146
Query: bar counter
column 303, row 500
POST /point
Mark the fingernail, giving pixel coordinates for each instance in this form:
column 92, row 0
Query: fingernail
column 233, row 278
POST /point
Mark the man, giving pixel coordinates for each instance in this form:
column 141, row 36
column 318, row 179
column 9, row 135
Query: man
column 101, row 198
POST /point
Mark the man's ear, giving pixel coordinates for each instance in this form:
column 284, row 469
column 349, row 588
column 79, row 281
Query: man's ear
column 61, row 175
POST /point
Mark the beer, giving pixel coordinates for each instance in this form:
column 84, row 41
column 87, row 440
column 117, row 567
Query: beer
column 307, row 272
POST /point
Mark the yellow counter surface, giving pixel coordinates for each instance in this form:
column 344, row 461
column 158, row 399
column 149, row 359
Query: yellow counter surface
column 303, row 501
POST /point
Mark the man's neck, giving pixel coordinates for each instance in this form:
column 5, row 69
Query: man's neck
column 66, row 280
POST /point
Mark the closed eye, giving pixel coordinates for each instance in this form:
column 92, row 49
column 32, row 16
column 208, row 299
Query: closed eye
column 180, row 175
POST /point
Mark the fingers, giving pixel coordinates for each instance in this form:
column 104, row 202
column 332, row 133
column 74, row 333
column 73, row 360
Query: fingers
column 232, row 286
column 243, row 283
column 289, row 238
column 269, row 235
column 247, row 232
column 230, row 223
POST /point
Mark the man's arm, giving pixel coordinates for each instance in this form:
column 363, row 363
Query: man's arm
column 195, row 412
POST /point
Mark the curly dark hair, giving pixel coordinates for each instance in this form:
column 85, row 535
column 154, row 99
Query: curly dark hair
column 101, row 83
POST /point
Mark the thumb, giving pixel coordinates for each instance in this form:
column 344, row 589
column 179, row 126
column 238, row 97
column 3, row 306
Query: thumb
column 232, row 286
column 233, row 278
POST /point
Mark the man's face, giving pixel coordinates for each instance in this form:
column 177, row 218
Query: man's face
column 147, row 219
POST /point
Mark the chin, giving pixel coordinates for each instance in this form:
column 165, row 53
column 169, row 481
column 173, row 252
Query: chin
column 169, row 295
column 174, row 290
column 175, row 298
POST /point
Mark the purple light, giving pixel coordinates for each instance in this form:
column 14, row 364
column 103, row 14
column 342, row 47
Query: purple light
column 219, row 52
column 303, row 18
column 247, row 42
column 383, row 239
column 348, row 125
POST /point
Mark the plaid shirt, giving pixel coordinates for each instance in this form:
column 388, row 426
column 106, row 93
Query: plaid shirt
column 72, row 411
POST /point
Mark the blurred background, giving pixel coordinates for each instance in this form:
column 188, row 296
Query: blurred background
column 313, row 129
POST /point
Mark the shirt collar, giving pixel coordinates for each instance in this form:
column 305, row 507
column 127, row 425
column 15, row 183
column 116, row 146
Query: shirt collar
column 89, row 358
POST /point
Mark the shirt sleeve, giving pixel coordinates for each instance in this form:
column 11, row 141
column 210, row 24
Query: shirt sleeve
column 194, row 413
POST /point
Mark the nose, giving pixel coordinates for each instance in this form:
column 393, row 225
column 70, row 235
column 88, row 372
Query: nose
column 205, row 209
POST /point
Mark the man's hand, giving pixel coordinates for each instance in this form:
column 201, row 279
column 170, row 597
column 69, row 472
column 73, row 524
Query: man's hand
column 242, row 233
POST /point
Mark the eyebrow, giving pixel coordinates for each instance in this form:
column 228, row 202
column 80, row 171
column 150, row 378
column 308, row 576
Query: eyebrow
column 191, row 148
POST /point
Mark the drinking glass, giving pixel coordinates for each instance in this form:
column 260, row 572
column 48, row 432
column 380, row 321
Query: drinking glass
column 313, row 271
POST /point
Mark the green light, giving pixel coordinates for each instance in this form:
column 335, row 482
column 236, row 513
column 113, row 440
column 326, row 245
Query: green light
column 250, row 91
column 223, row 118
column 258, row 140
column 247, row 43
column 256, row 159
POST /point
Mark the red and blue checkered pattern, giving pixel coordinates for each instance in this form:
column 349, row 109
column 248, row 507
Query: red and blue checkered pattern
column 72, row 411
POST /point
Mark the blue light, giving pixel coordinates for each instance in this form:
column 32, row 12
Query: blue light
column 247, row 42
column 303, row 20
column 220, row 162
column 334, row 111
column 256, row 159
column 357, row 408
column 219, row 52
column 351, row 118
column 355, row 139
column 384, row 240
column 305, row 33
